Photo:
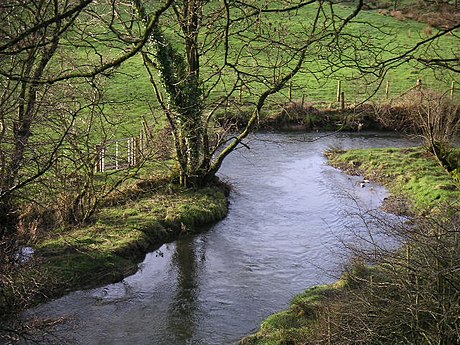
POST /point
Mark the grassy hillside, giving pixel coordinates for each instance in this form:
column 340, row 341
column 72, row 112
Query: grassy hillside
column 133, row 97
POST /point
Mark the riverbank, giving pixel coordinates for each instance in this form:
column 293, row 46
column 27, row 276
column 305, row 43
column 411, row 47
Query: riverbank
column 418, row 185
column 309, row 116
column 132, row 222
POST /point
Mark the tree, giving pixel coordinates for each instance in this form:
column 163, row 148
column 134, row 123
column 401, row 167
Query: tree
column 206, row 53
column 44, row 83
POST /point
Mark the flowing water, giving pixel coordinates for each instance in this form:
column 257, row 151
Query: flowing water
column 283, row 234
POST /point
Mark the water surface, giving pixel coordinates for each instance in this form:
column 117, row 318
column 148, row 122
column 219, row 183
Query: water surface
column 282, row 235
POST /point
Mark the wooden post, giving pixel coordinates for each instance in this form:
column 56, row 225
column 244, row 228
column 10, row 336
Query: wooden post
column 141, row 143
column 137, row 150
column 387, row 90
column 339, row 90
column 290, row 90
column 116, row 155
column 342, row 100
column 418, row 85
column 128, row 151
column 98, row 158
column 133, row 152
column 303, row 100
column 146, row 132
column 452, row 88
column 241, row 93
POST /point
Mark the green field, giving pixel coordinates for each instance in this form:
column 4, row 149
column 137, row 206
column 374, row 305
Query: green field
column 133, row 98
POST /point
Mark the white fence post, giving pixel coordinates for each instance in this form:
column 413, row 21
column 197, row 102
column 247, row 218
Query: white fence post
column 102, row 158
column 128, row 147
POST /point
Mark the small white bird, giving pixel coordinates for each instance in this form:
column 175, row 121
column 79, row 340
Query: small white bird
column 363, row 183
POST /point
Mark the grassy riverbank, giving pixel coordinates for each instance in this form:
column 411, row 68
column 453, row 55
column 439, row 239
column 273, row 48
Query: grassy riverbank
column 410, row 174
column 418, row 185
column 135, row 220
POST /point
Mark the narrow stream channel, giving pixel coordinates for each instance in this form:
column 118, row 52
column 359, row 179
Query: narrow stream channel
column 282, row 235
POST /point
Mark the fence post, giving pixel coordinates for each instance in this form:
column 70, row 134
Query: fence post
column 418, row 85
column 116, row 155
column 132, row 159
column 141, row 141
column 137, row 149
column 102, row 158
column 146, row 132
column 98, row 158
column 342, row 100
column 339, row 90
column 128, row 154
column 452, row 88
column 387, row 90
column 290, row 90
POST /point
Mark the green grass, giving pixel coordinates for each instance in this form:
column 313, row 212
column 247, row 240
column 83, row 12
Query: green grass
column 411, row 172
column 131, row 96
column 294, row 325
column 123, row 232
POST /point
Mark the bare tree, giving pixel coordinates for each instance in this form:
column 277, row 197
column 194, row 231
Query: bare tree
column 54, row 56
column 44, row 81
column 208, row 53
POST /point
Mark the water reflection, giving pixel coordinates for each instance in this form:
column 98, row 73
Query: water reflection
column 183, row 311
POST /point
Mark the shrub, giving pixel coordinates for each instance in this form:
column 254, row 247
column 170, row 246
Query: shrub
column 425, row 112
column 411, row 297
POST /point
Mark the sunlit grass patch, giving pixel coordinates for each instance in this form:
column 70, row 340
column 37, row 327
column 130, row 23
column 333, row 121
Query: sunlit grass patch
column 295, row 324
column 412, row 172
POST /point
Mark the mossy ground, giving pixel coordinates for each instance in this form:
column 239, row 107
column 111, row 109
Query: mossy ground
column 133, row 222
column 293, row 325
column 413, row 173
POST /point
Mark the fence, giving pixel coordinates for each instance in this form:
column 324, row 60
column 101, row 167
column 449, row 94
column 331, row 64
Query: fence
column 342, row 96
column 123, row 153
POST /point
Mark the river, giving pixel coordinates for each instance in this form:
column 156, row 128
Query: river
column 283, row 234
